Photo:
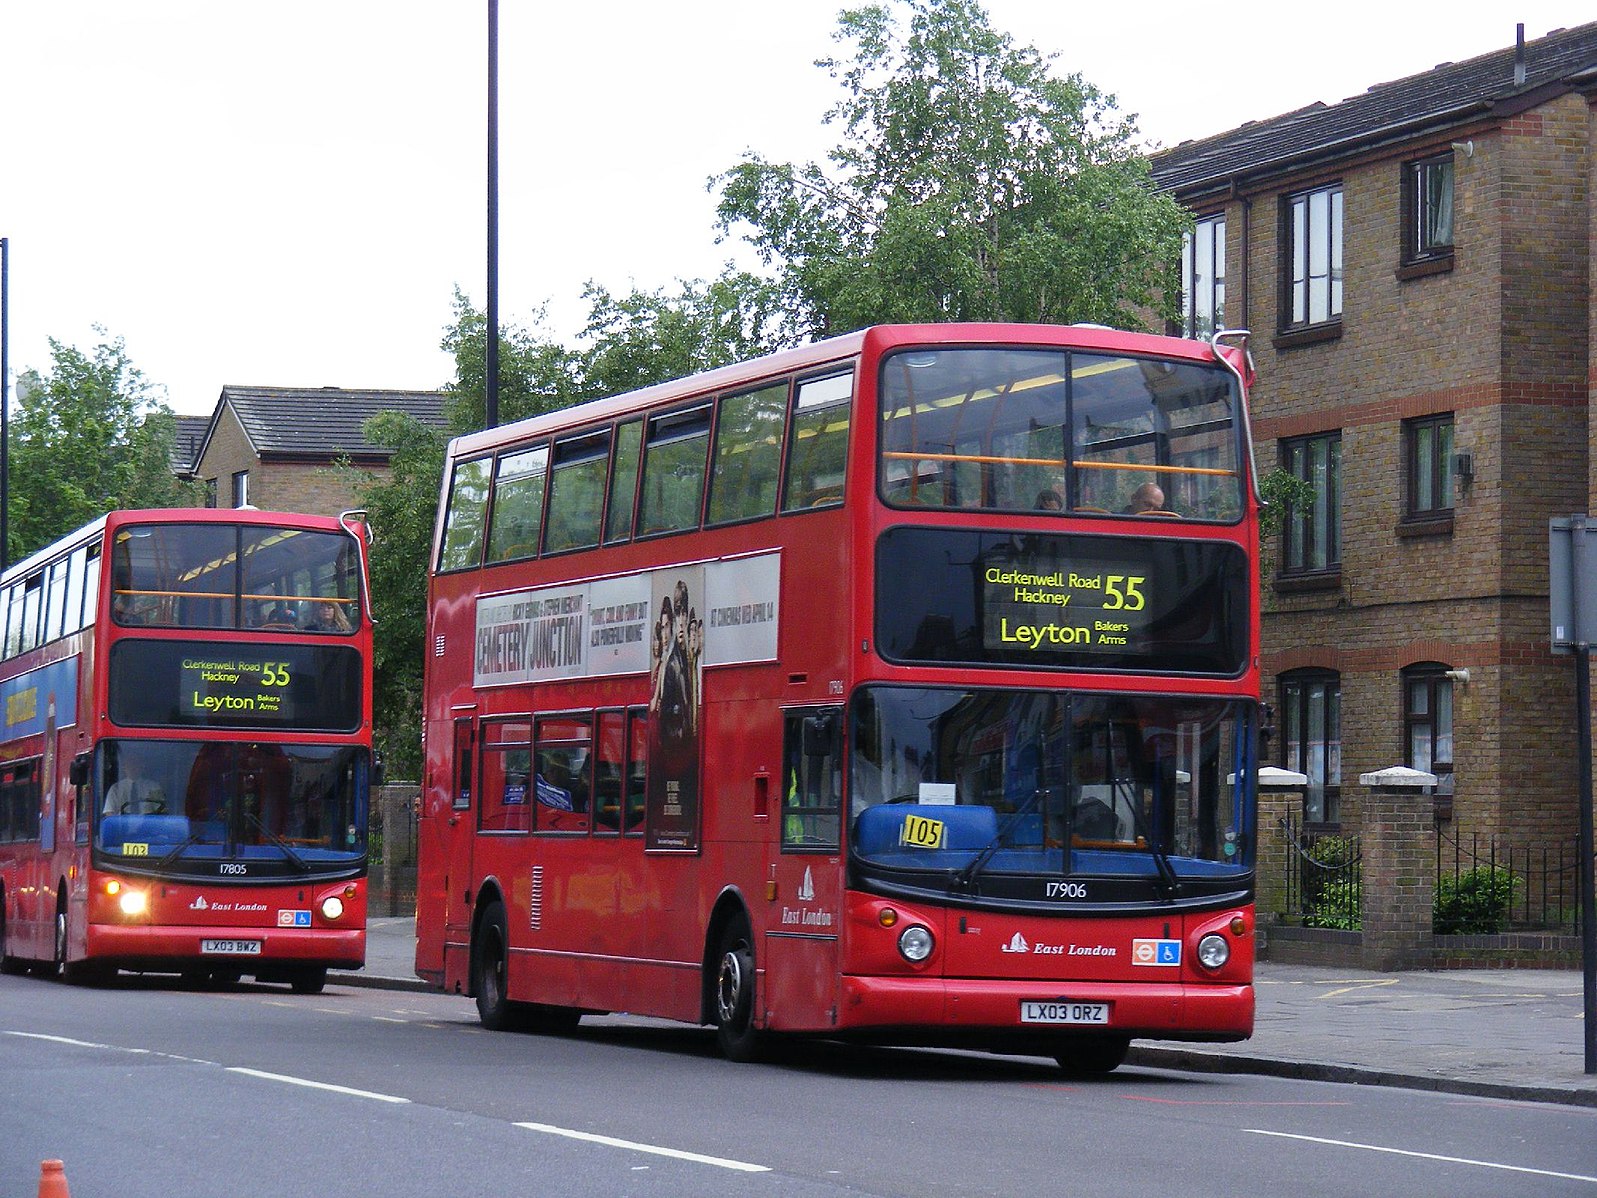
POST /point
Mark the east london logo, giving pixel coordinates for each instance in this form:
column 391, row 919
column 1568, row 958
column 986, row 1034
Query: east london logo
column 200, row 904
column 1019, row 944
column 806, row 917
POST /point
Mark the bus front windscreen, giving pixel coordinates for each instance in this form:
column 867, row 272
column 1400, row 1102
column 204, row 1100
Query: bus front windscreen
column 230, row 809
column 1045, row 795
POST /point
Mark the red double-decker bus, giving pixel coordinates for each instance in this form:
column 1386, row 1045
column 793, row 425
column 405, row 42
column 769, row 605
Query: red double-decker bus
column 185, row 759
column 902, row 687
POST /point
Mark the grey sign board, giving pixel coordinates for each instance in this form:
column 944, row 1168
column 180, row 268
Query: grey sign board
column 1572, row 581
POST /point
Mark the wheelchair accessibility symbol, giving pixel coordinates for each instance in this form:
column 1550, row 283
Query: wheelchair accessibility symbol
column 1156, row 952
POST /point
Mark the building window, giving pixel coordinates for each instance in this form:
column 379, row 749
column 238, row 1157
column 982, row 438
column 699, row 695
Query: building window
column 1203, row 278
column 1312, row 536
column 1428, row 722
column 1428, row 200
column 1312, row 269
column 1429, row 454
column 210, row 492
column 241, row 488
column 1311, row 739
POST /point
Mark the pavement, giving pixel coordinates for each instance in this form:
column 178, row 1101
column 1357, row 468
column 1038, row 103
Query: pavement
column 1516, row 1034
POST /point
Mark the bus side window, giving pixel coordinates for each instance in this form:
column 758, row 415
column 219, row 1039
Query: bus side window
column 623, row 481
column 576, row 492
column 563, row 782
column 465, row 516
column 812, row 774
column 465, row 745
column 637, row 769
column 673, row 471
column 517, row 510
column 818, row 443
column 748, row 454
column 610, row 773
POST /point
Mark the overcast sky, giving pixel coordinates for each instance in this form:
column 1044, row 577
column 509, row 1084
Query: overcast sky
column 288, row 193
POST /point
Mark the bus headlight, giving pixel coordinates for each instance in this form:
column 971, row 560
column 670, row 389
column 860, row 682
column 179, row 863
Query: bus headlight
column 332, row 907
column 133, row 902
column 915, row 942
column 1213, row 951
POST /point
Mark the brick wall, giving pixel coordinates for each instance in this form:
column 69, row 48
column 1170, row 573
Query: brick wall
column 314, row 487
column 1501, row 341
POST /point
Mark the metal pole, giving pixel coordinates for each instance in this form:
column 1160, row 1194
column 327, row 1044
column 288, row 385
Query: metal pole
column 1588, row 895
column 491, row 358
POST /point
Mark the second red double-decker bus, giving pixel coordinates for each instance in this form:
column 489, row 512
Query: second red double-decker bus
column 902, row 687
column 186, row 758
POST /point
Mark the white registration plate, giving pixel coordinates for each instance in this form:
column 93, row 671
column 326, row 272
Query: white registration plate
column 231, row 948
column 1064, row 1012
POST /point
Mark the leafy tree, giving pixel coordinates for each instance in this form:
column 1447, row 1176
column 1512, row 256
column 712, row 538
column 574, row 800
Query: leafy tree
column 972, row 183
column 88, row 436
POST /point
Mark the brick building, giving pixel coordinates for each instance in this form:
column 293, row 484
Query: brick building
column 1415, row 264
column 278, row 447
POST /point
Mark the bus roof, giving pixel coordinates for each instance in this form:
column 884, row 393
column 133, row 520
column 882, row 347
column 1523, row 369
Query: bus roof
column 816, row 355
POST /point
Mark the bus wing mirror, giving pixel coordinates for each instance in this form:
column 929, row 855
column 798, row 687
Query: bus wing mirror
column 78, row 771
column 821, row 735
column 379, row 770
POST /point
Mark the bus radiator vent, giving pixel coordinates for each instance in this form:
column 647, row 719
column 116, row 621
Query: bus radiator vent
column 535, row 901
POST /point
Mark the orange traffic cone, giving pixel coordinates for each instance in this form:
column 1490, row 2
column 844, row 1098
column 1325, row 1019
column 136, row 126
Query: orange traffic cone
column 53, row 1180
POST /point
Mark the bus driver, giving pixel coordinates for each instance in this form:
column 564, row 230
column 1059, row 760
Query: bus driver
column 134, row 792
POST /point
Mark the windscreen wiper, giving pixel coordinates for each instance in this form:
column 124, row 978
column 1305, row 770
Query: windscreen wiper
column 193, row 838
column 1161, row 859
column 966, row 877
column 278, row 841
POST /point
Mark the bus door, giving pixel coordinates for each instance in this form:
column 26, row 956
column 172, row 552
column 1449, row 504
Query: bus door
column 449, row 885
column 801, row 943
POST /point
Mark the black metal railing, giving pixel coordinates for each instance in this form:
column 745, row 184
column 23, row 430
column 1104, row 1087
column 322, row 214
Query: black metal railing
column 1486, row 884
column 1324, row 878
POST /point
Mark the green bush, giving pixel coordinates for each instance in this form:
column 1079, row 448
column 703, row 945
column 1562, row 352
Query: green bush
column 1330, row 887
column 1474, row 903
column 1335, row 906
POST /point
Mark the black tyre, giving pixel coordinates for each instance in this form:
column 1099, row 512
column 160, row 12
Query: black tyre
column 309, row 980
column 490, row 963
column 1093, row 1056
column 735, row 1033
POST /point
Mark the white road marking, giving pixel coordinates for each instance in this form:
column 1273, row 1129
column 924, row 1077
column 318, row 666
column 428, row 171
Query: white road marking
column 676, row 1153
column 59, row 1040
column 1425, row 1156
column 303, row 1081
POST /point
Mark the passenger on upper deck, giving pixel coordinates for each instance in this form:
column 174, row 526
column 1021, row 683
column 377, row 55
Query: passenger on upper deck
column 326, row 616
column 1146, row 498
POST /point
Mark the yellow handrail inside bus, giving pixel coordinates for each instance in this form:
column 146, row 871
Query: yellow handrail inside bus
column 898, row 455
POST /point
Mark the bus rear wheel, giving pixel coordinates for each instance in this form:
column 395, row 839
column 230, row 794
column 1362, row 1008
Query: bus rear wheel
column 1093, row 1056
column 735, row 1033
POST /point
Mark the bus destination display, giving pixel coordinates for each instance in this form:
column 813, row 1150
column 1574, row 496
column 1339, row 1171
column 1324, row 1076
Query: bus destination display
column 233, row 685
column 1092, row 606
column 195, row 684
column 1061, row 601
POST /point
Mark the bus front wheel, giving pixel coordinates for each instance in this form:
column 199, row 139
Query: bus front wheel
column 1093, row 1056
column 735, row 1033
column 309, row 980
column 490, row 964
